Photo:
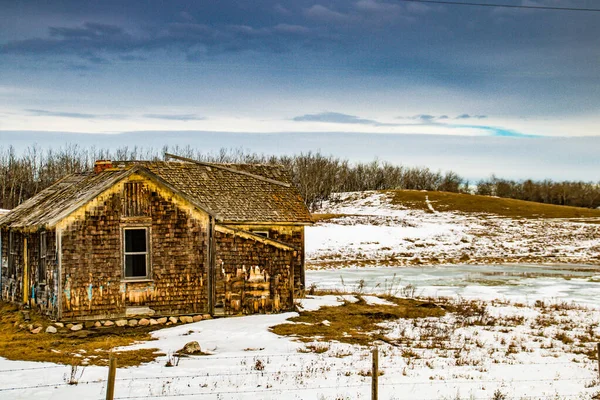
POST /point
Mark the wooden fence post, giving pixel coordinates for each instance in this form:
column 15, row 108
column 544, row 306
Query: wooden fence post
column 598, row 355
column 375, row 374
column 112, row 372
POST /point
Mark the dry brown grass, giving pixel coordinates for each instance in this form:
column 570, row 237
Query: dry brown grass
column 66, row 347
column 325, row 217
column 444, row 201
column 354, row 323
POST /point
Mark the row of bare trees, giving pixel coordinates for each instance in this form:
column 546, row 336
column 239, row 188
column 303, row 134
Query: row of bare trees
column 317, row 176
column 565, row 193
column 24, row 174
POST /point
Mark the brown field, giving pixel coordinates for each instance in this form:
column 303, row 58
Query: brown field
column 66, row 347
column 353, row 323
column 468, row 203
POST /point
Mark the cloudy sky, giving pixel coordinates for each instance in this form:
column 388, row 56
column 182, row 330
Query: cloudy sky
column 375, row 66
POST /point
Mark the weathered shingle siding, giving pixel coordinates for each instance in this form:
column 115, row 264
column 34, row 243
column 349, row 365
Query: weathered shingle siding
column 252, row 277
column 292, row 235
column 12, row 281
column 92, row 258
column 42, row 290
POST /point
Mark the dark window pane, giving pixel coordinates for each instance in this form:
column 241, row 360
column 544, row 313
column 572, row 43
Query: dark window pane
column 135, row 265
column 135, row 240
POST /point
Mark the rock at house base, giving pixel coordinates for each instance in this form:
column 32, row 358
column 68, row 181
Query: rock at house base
column 132, row 322
column 143, row 322
column 197, row 318
column 108, row 323
column 162, row 320
column 121, row 322
column 77, row 327
column 153, row 321
column 51, row 329
column 37, row 330
column 173, row 320
column 186, row 320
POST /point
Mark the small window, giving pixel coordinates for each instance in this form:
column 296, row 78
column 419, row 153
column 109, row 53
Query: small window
column 43, row 251
column 136, row 252
column 261, row 233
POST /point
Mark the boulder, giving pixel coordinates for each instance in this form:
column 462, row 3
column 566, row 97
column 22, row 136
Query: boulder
column 77, row 327
column 191, row 348
column 37, row 330
column 186, row 320
column 97, row 324
column 197, row 318
column 143, row 322
column 69, row 326
column 59, row 325
column 173, row 320
column 132, row 322
column 153, row 321
column 206, row 316
column 162, row 320
column 121, row 322
column 108, row 323
column 51, row 329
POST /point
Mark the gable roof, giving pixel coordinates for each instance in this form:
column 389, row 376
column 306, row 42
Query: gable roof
column 232, row 193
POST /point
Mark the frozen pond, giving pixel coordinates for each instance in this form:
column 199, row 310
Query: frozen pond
column 522, row 283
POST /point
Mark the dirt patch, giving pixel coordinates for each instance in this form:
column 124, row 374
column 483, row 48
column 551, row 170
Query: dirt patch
column 467, row 203
column 354, row 323
column 86, row 347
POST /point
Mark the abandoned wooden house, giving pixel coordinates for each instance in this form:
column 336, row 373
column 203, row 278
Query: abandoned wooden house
column 157, row 238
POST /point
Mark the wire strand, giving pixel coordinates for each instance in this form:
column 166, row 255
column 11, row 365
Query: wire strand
column 496, row 5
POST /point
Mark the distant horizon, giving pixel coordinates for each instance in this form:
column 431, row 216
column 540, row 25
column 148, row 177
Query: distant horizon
column 474, row 158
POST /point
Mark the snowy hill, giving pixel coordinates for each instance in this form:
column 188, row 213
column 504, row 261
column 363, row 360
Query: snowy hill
column 377, row 229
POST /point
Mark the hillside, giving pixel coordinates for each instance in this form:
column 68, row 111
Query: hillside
column 392, row 228
column 466, row 203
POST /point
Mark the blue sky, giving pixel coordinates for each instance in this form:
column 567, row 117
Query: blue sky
column 300, row 66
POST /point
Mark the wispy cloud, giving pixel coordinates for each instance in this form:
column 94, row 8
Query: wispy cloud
column 176, row 117
column 101, row 43
column 68, row 114
column 338, row 118
column 428, row 118
column 468, row 116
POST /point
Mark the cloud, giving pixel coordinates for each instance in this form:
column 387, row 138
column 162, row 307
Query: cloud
column 468, row 116
column 101, row 43
column 375, row 6
column 426, row 118
column 176, row 117
column 67, row 114
column 321, row 12
column 338, row 118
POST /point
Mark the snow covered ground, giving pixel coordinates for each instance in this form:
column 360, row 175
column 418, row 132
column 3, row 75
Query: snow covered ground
column 511, row 350
column 532, row 343
column 376, row 232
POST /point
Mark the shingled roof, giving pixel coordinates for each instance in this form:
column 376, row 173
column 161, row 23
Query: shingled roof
column 232, row 193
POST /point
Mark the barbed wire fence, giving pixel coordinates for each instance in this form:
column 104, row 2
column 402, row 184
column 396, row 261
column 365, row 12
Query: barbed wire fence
column 372, row 379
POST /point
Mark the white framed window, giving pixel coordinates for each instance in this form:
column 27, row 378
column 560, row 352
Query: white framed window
column 136, row 254
column 42, row 259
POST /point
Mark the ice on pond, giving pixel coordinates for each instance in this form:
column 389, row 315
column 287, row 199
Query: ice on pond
column 521, row 283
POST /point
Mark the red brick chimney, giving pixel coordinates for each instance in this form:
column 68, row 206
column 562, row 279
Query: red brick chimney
column 101, row 165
